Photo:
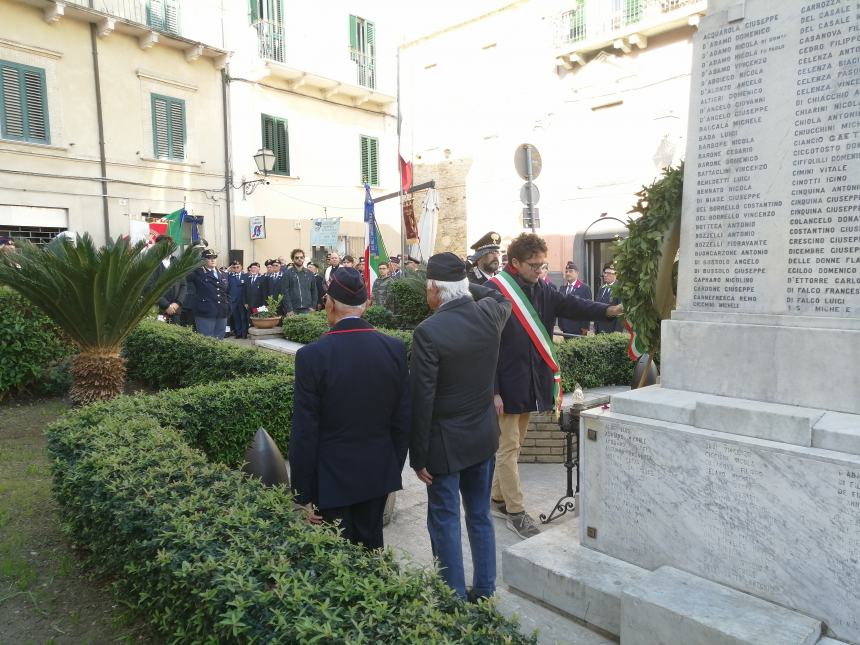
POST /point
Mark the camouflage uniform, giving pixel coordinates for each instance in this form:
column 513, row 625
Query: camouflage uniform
column 381, row 288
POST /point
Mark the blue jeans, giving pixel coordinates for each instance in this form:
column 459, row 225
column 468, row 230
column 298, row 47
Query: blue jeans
column 443, row 523
column 214, row 327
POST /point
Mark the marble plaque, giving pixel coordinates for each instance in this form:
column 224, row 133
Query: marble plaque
column 777, row 521
column 772, row 182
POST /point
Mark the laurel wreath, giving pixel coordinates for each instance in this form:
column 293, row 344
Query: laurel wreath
column 646, row 259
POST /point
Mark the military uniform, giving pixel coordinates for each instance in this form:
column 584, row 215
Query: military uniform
column 238, row 313
column 380, row 291
column 487, row 244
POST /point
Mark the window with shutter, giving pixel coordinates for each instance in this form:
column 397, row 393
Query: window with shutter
column 23, row 103
column 362, row 45
column 276, row 138
column 369, row 160
column 163, row 15
column 168, row 127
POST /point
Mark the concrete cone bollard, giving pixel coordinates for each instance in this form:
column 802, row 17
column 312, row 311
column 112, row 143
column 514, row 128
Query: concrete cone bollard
column 264, row 460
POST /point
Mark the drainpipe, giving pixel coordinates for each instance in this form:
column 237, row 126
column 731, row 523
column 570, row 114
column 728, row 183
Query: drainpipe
column 228, row 162
column 100, row 119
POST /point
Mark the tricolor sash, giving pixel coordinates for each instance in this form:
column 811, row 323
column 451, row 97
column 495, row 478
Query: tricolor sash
column 531, row 322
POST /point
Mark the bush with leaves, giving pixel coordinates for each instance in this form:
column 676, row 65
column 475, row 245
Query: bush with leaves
column 305, row 328
column 162, row 356
column 33, row 352
column 595, row 361
column 209, row 555
column 378, row 316
column 407, row 300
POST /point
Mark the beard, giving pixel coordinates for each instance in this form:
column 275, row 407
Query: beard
column 488, row 266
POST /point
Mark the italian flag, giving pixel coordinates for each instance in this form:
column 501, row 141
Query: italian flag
column 174, row 225
column 635, row 348
column 374, row 247
column 531, row 322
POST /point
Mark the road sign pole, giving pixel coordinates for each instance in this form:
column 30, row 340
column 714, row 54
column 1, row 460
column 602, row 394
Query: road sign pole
column 530, row 203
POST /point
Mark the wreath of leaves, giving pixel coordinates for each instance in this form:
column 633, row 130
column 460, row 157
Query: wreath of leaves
column 645, row 260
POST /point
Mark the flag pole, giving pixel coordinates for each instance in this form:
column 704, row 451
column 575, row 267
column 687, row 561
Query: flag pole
column 400, row 169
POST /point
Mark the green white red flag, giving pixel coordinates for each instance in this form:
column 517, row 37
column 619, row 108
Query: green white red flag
column 635, row 348
column 374, row 248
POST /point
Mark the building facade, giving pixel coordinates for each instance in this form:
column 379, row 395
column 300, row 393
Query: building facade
column 599, row 87
column 111, row 112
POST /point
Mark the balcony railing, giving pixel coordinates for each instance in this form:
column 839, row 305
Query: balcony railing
column 162, row 15
column 270, row 40
column 366, row 68
column 601, row 18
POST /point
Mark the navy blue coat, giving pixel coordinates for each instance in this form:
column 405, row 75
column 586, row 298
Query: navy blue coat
column 567, row 325
column 236, row 283
column 523, row 380
column 212, row 294
column 351, row 416
column 614, row 324
column 256, row 291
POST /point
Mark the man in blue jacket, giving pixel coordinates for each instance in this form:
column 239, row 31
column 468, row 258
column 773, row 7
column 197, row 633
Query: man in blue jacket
column 524, row 378
column 350, row 435
column 212, row 303
column 238, row 319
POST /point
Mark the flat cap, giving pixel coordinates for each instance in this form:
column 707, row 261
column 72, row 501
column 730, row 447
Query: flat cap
column 446, row 267
column 347, row 287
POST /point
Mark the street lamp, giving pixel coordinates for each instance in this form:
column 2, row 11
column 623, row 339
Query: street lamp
column 265, row 160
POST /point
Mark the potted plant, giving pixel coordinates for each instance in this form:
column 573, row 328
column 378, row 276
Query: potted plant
column 266, row 316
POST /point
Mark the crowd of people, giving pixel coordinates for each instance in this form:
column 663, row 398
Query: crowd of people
column 459, row 408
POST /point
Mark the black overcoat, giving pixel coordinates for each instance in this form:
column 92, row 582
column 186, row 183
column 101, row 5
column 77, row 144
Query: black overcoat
column 583, row 291
column 523, row 379
column 212, row 299
column 454, row 352
column 351, row 416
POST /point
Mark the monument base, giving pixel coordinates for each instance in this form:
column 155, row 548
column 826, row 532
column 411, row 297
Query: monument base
column 697, row 482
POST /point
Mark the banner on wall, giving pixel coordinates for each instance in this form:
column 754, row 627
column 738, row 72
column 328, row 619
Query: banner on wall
column 324, row 232
column 258, row 227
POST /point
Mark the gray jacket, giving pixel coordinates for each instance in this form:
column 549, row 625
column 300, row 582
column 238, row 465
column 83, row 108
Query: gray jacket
column 299, row 289
column 453, row 371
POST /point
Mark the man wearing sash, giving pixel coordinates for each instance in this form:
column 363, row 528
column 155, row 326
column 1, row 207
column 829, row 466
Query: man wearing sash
column 528, row 378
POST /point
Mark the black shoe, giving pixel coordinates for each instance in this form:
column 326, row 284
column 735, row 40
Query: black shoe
column 497, row 509
column 475, row 597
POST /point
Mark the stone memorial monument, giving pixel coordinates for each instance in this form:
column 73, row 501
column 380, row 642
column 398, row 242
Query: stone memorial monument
column 723, row 506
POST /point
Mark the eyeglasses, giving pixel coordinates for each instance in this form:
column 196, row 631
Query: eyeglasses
column 535, row 266
column 299, row 257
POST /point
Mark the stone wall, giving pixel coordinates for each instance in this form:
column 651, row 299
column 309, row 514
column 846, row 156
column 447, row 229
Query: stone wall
column 544, row 443
column 450, row 177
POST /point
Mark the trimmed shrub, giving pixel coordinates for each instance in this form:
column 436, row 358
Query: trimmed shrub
column 594, row 361
column 407, row 300
column 378, row 316
column 164, row 356
column 209, row 555
column 305, row 328
column 33, row 351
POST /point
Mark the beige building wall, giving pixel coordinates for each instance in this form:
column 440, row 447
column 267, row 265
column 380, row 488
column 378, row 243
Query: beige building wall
column 59, row 184
column 605, row 120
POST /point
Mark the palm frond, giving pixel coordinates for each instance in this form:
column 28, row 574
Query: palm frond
column 96, row 295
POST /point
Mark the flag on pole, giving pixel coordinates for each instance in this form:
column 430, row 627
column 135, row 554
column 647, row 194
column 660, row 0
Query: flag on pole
column 174, row 225
column 374, row 247
column 635, row 348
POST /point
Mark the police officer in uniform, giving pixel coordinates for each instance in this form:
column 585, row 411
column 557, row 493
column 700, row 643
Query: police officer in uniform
column 237, row 281
column 485, row 259
column 213, row 297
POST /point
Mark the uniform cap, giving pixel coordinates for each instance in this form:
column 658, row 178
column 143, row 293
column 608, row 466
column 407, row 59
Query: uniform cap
column 209, row 254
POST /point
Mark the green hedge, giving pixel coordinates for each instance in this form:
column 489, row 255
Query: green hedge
column 164, row 355
column 595, row 361
column 33, row 352
column 308, row 327
column 209, row 555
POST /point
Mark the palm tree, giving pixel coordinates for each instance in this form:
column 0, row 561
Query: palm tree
column 96, row 296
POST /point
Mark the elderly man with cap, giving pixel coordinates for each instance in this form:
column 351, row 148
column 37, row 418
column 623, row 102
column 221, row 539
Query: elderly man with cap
column 212, row 305
column 394, row 267
column 606, row 295
column 455, row 429
column 485, row 258
column 573, row 286
column 349, row 436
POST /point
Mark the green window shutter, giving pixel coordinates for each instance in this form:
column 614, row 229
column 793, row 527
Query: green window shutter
column 632, row 11
column 370, row 36
column 276, row 138
column 255, row 10
column 353, row 32
column 23, row 103
column 369, row 160
column 155, row 13
column 171, row 16
column 168, row 127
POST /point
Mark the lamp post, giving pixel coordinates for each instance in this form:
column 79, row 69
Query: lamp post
column 265, row 160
